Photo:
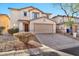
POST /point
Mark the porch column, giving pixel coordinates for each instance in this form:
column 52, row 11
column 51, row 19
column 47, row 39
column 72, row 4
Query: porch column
column 21, row 27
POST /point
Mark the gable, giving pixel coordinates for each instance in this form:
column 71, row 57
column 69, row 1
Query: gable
column 30, row 8
column 33, row 9
column 43, row 20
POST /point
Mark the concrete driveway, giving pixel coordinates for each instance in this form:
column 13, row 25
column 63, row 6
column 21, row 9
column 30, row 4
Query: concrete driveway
column 57, row 41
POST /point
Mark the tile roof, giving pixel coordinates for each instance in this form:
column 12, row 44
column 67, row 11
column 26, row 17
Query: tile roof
column 63, row 16
column 29, row 7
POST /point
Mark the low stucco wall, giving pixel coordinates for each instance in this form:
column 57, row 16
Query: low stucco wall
column 5, row 22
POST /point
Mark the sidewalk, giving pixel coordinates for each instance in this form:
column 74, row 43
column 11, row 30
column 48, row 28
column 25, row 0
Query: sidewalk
column 69, row 35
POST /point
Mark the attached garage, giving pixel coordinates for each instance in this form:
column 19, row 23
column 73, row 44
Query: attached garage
column 43, row 25
column 43, row 28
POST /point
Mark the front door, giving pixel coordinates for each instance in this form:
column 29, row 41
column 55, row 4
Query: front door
column 26, row 27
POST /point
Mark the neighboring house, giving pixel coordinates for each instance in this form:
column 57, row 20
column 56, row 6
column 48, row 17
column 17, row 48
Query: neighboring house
column 60, row 20
column 4, row 22
column 32, row 19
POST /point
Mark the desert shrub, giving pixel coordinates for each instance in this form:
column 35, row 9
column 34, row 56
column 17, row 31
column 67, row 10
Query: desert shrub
column 13, row 30
column 1, row 29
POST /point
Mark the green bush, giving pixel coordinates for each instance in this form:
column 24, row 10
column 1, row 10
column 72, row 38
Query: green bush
column 1, row 29
column 13, row 30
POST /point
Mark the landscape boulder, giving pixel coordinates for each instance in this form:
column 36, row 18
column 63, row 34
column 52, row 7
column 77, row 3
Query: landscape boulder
column 29, row 39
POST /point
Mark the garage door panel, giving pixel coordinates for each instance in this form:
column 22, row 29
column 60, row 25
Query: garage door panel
column 43, row 28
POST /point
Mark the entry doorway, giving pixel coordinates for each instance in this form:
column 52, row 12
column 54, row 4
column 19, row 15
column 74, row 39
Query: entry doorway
column 26, row 24
column 26, row 27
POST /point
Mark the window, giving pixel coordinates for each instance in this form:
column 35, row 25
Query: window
column 25, row 13
column 35, row 15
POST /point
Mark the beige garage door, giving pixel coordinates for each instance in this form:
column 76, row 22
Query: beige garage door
column 43, row 28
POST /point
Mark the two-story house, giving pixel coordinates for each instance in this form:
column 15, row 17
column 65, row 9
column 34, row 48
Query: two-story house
column 31, row 19
column 60, row 22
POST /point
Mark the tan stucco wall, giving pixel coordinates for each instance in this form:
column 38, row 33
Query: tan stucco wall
column 5, row 22
column 15, row 15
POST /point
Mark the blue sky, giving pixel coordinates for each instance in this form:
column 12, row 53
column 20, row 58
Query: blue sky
column 53, row 8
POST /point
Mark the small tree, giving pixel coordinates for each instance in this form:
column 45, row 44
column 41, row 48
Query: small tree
column 1, row 29
column 70, row 10
column 69, row 23
column 13, row 30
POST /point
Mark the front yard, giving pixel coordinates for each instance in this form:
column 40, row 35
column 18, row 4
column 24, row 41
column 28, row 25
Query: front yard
column 11, row 45
column 55, row 41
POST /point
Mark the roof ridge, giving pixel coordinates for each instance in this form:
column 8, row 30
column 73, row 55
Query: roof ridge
column 29, row 7
column 63, row 16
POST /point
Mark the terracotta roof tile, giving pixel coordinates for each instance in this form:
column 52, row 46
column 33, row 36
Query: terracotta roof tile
column 29, row 7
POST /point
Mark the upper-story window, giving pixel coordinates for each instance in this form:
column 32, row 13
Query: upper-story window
column 35, row 15
column 25, row 13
